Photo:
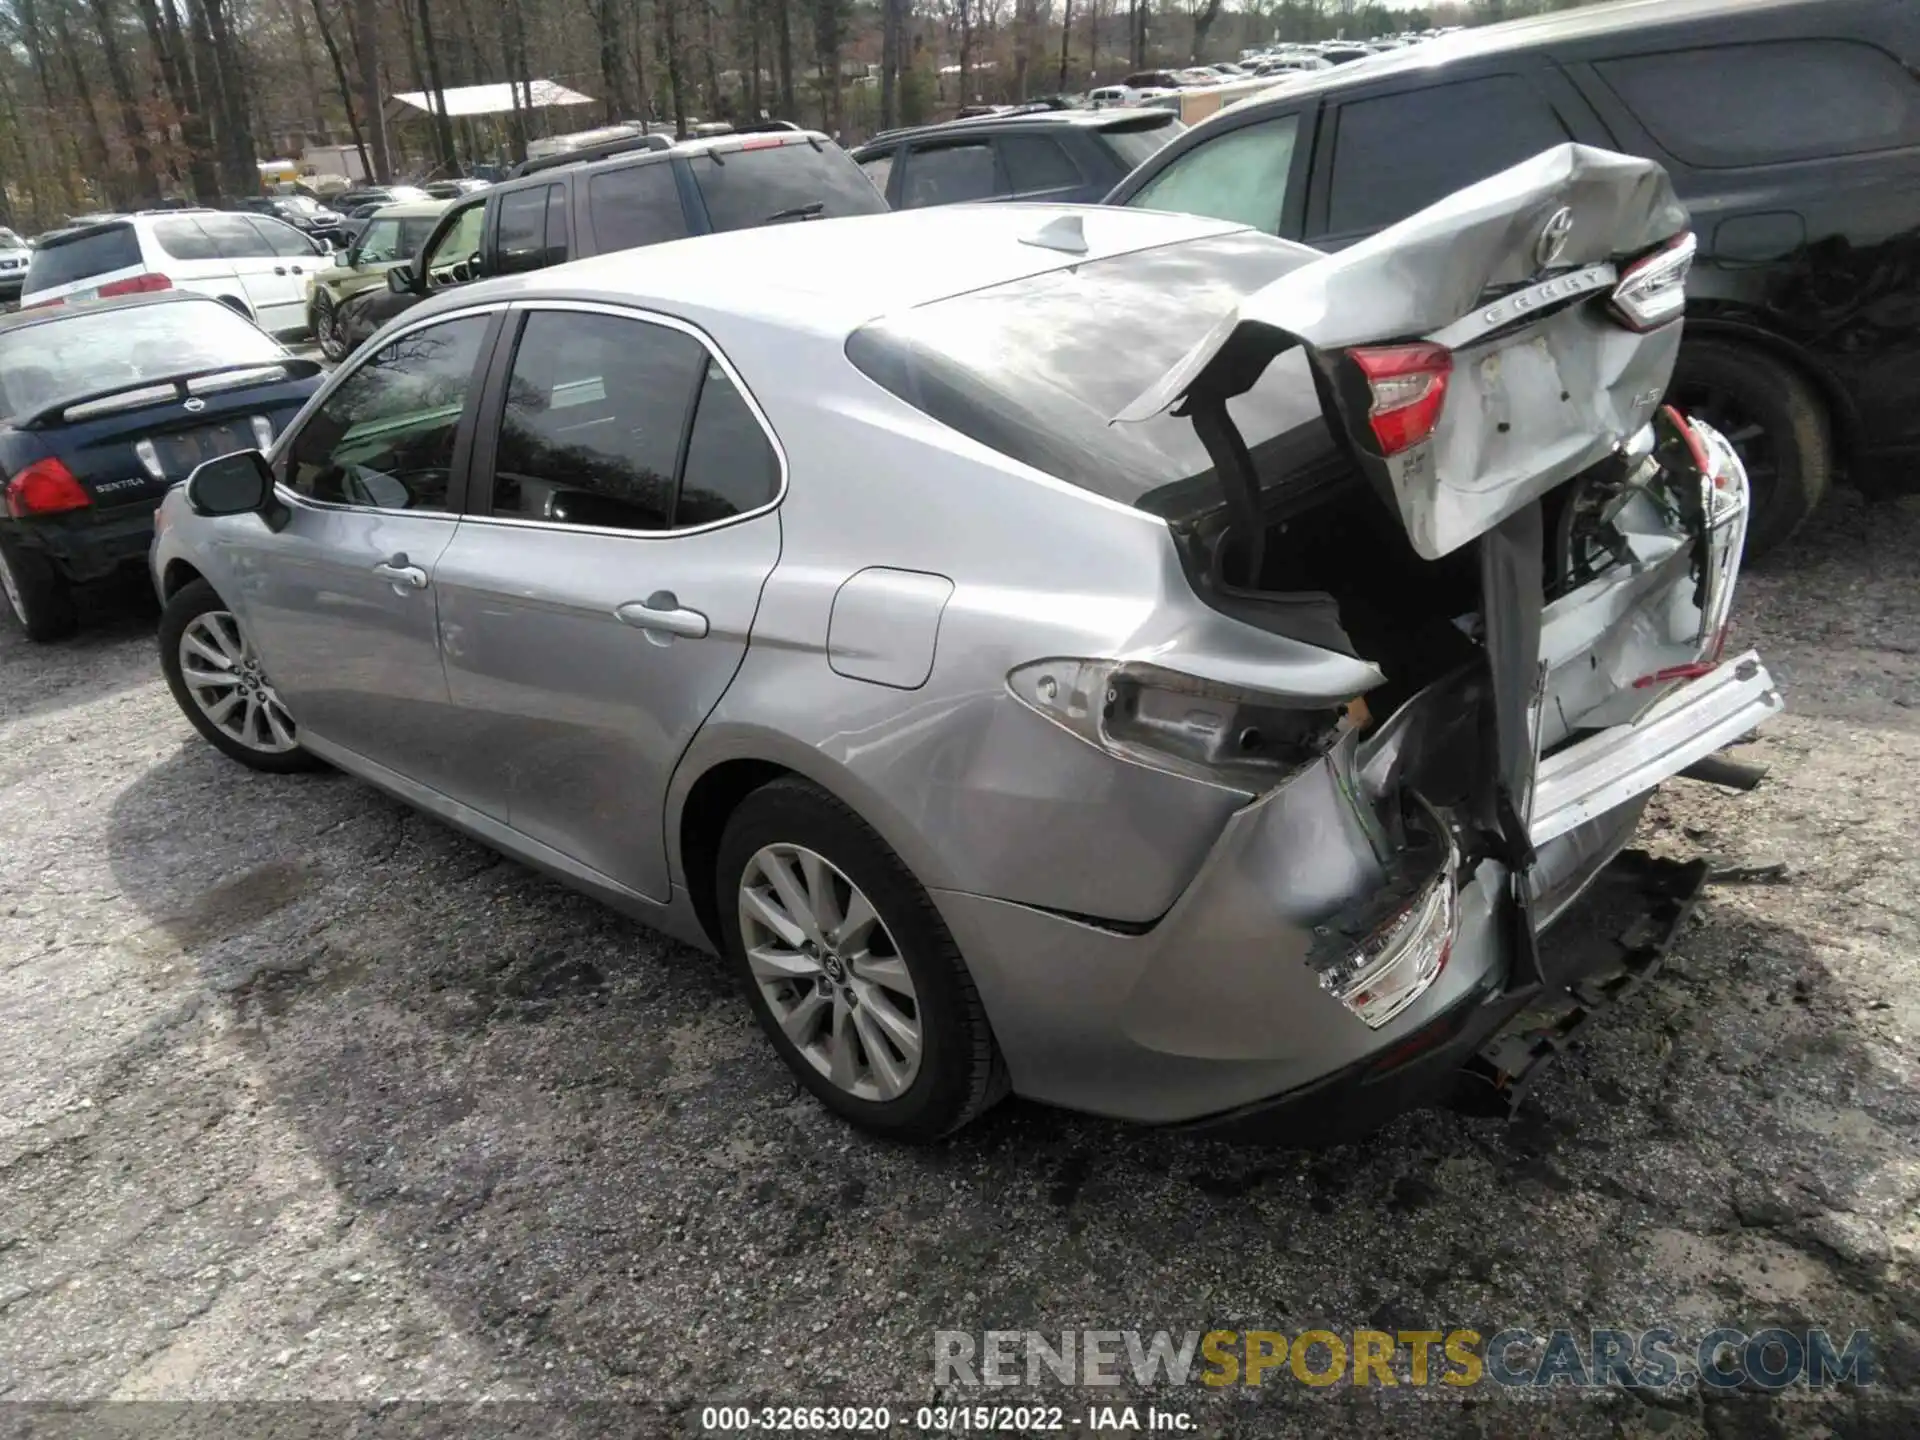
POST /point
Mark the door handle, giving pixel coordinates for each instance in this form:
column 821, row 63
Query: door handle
column 403, row 575
column 661, row 616
column 297, row 270
column 279, row 269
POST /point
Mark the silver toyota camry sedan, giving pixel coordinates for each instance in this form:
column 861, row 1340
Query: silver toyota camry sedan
column 1114, row 657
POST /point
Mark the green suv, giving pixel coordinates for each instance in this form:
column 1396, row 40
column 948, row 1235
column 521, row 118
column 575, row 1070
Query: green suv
column 394, row 234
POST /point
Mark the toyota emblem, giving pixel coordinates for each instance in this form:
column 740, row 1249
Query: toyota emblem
column 1553, row 238
column 196, row 405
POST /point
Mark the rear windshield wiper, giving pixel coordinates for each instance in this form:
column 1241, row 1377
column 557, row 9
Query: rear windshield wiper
column 810, row 211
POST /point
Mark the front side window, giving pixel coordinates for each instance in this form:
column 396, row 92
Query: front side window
column 1400, row 153
column 533, row 226
column 1240, row 177
column 590, row 433
column 947, row 174
column 879, row 169
column 283, row 240
column 381, row 243
column 458, row 247
column 385, row 437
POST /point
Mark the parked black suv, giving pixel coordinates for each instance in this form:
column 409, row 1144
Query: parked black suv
column 1791, row 128
column 1072, row 156
column 655, row 189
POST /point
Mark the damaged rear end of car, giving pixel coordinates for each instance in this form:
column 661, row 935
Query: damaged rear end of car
column 1452, row 601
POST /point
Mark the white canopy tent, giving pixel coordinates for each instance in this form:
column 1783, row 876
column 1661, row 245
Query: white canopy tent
column 464, row 100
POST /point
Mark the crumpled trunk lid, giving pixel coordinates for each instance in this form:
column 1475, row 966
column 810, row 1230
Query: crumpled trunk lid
column 1511, row 277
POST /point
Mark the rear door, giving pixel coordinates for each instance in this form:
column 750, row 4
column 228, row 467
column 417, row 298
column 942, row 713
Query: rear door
column 633, row 205
column 598, row 607
column 294, row 265
column 949, row 172
column 277, row 301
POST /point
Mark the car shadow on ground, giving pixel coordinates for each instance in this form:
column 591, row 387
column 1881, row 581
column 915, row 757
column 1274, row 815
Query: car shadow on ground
column 567, row 1132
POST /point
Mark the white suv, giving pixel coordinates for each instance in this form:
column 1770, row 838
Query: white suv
column 256, row 264
column 14, row 255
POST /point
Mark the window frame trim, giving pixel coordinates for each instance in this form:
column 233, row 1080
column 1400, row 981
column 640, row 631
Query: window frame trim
column 486, row 437
column 460, row 467
column 1525, row 68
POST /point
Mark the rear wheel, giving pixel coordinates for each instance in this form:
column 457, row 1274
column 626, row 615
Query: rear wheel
column 849, row 968
column 38, row 596
column 219, row 684
column 1776, row 422
column 326, row 328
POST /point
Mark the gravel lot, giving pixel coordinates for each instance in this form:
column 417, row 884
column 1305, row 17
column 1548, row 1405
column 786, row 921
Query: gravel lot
column 303, row 1096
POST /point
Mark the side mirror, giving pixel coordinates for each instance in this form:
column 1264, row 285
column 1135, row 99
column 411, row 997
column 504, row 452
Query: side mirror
column 236, row 484
column 400, row 280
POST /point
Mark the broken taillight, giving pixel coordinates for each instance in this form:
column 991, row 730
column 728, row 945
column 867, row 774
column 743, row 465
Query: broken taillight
column 1653, row 290
column 1409, row 385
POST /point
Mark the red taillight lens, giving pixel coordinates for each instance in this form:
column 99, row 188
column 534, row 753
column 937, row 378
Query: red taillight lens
column 45, row 487
column 138, row 285
column 1409, row 384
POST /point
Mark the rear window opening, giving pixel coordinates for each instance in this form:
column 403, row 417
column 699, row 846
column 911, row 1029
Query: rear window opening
column 81, row 257
column 792, row 181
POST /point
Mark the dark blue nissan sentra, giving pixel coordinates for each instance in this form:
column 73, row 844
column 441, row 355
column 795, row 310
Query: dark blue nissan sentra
column 105, row 405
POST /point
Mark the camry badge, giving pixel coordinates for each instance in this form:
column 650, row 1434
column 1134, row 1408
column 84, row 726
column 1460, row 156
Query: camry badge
column 196, row 405
column 1553, row 238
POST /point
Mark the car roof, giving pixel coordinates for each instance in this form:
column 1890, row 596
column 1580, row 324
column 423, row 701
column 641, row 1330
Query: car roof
column 1643, row 17
column 832, row 276
column 1028, row 119
column 26, row 319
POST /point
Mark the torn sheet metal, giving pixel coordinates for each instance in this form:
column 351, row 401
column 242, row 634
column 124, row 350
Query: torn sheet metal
column 1542, row 385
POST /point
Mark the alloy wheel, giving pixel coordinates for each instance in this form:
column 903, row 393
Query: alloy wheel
column 327, row 333
column 226, row 681
column 829, row 970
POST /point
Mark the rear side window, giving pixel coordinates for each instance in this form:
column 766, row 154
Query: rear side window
column 879, row 169
column 65, row 261
column 183, row 239
column 947, row 175
column 783, row 182
column 1762, row 103
column 731, row 468
column 639, row 205
column 533, row 229
column 1134, row 143
column 1035, row 162
column 1400, row 153
column 1239, row 177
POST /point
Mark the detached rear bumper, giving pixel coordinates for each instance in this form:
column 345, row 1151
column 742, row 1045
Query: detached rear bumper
column 1597, row 774
column 1484, row 1052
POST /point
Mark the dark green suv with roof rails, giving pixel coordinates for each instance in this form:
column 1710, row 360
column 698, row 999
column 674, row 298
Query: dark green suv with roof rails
column 659, row 190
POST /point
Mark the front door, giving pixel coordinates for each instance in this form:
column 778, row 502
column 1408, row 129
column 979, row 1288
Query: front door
column 340, row 600
column 595, row 612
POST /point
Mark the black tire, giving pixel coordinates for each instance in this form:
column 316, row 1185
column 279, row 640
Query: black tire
column 326, row 329
column 961, row 1074
column 187, row 604
column 1775, row 420
column 44, row 607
